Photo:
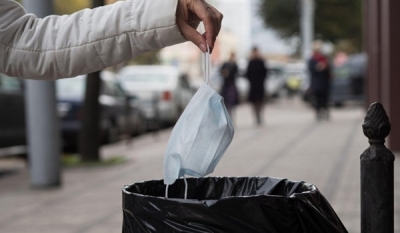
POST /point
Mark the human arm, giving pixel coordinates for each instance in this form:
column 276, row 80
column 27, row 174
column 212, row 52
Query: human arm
column 235, row 70
column 247, row 72
column 86, row 41
column 321, row 66
column 224, row 70
column 265, row 69
column 312, row 66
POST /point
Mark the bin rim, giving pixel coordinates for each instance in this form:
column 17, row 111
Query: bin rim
column 312, row 188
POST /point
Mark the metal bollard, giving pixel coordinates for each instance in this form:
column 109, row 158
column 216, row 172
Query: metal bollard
column 377, row 167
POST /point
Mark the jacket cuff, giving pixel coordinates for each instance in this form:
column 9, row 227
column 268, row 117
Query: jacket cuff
column 154, row 23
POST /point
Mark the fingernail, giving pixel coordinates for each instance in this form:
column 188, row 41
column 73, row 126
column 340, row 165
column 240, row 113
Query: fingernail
column 203, row 48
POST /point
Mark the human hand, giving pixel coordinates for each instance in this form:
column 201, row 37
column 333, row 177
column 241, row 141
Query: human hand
column 188, row 16
column 321, row 66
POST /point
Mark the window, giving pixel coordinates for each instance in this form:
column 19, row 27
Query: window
column 9, row 83
column 184, row 82
column 107, row 88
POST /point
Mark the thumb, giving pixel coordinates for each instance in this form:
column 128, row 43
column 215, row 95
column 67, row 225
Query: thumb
column 192, row 35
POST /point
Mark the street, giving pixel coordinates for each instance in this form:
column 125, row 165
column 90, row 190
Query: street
column 291, row 144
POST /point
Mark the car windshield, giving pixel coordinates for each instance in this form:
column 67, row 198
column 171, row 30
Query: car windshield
column 341, row 73
column 295, row 73
column 276, row 71
column 71, row 87
column 147, row 78
column 147, row 81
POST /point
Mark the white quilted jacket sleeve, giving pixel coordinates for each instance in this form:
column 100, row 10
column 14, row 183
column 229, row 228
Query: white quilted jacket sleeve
column 86, row 41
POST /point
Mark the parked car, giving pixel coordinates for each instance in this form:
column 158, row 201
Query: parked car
column 348, row 80
column 276, row 81
column 137, row 120
column 119, row 112
column 296, row 77
column 164, row 91
column 115, row 114
column 12, row 112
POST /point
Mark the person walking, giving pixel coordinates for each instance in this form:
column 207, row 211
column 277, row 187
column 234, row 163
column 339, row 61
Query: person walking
column 229, row 92
column 256, row 74
column 320, row 73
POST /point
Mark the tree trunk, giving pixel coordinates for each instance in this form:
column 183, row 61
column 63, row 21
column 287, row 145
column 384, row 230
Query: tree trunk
column 90, row 131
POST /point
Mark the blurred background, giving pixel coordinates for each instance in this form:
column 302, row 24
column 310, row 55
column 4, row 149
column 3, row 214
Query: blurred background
column 151, row 91
column 112, row 126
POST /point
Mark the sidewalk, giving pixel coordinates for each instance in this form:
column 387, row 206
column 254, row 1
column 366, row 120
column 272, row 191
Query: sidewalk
column 291, row 144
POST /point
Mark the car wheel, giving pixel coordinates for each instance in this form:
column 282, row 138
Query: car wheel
column 112, row 133
column 142, row 126
column 139, row 128
column 338, row 104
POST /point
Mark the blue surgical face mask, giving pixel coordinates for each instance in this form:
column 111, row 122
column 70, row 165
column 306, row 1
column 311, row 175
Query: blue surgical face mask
column 200, row 137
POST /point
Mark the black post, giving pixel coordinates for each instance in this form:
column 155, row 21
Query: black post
column 377, row 184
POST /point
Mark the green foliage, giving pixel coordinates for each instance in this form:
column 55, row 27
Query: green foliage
column 335, row 20
column 282, row 15
column 149, row 58
column 75, row 160
column 67, row 7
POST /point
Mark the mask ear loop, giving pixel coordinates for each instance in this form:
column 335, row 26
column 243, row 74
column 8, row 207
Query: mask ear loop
column 186, row 186
column 166, row 191
column 207, row 64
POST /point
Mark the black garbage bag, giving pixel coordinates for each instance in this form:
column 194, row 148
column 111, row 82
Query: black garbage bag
column 229, row 205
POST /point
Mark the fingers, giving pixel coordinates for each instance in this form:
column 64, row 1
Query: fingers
column 191, row 34
column 210, row 17
column 190, row 13
column 212, row 23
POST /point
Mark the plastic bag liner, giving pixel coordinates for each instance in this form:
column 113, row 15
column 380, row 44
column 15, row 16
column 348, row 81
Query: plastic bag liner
column 229, row 205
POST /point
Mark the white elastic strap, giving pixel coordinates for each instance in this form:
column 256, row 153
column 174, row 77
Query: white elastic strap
column 186, row 186
column 207, row 64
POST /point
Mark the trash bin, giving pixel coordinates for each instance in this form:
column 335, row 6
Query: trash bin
column 228, row 205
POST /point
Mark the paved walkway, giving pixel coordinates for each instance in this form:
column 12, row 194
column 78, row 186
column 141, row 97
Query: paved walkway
column 291, row 145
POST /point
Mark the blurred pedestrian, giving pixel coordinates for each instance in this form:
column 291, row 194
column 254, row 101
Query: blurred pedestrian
column 229, row 71
column 320, row 73
column 257, row 74
column 90, row 40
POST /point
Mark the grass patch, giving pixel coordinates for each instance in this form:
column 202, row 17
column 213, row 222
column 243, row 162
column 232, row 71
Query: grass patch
column 76, row 161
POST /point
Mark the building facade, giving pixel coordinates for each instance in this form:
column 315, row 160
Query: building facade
column 382, row 43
